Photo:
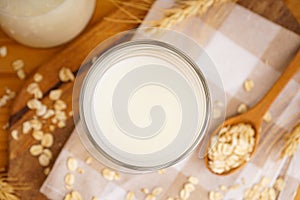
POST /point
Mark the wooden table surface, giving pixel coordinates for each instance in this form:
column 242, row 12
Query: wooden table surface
column 32, row 57
column 9, row 79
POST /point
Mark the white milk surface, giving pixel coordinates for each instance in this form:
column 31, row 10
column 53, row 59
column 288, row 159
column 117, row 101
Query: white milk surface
column 139, row 107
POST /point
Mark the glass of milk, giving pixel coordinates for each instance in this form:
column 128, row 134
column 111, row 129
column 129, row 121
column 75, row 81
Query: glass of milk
column 44, row 23
column 143, row 99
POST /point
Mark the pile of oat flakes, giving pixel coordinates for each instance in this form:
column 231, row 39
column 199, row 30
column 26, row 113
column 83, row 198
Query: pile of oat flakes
column 56, row 113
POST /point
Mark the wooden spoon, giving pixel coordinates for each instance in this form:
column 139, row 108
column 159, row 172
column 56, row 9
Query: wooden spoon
column 254, row 115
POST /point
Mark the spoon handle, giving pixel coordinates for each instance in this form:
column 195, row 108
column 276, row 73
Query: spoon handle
column 265, row 103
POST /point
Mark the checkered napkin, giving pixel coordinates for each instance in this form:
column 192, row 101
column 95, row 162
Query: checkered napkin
column 243, row 46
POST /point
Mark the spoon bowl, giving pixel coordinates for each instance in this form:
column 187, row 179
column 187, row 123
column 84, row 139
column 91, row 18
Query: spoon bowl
column 245, row 118
column 255, row 115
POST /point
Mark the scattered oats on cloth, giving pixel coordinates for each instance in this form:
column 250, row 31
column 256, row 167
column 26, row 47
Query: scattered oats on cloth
column 238, row 46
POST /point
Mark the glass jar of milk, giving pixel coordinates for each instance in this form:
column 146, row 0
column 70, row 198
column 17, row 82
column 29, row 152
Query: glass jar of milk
column 143, row 99
column 44, row 23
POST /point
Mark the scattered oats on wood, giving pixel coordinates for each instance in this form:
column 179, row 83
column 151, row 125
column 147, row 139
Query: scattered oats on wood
column 88, row 160
column 70, row 113
column 66, row 75
column 37, row 77
column 242, row 108
column 3, row 51
column 34, row 104
column 44, row 160
column 150, row 197
column 248, row 85
column 36, row 124
column 49, row 113
column 51, row 127
column 55, row 94
column 15, row 134
column 36, row 150
column 48, row 153
column 72, row 164
column 233, row 147
column 54, row 120
column 17, row 64
column 279, row 184
column 47, row 140
column 38, row 94
column 9, row 94
column 41, row 111
column 26, row 127
column 194, row 180
column 69, row 179
column 47, row 171
column 60, row 115
column 3, row 100
column 157, row 191
column 267, row 117
column 61, row 124
column 184, row 194
column 5, row 126
column 292, row 141
column 145, row 190
column 34, row 89
column 130, row 196
column 60, row 105
column 213, row 195
column 21, row 74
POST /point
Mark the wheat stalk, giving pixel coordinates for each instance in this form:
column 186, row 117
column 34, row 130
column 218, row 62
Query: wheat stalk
column 9, row 187
column 131, row 18
column 184, row 9
column 292, row 141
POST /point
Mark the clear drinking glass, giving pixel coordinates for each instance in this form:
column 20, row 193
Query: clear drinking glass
column 143, row 99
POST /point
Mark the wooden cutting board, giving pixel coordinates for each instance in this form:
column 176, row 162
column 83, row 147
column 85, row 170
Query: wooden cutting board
column 25, row 167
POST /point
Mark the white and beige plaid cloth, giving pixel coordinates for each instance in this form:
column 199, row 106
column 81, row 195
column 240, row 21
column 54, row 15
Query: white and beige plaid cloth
column 243, row 46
